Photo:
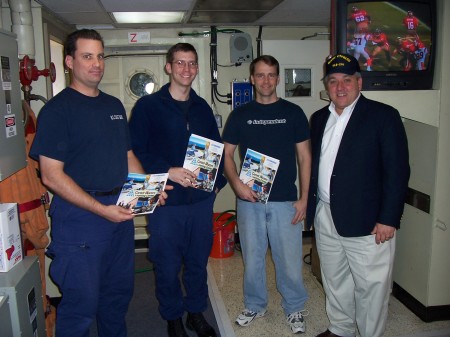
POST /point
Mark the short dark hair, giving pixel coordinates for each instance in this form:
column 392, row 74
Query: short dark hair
column 182, row 46
column 70, row 47
column 267, row 59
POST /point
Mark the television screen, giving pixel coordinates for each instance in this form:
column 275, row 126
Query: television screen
column 393, row 41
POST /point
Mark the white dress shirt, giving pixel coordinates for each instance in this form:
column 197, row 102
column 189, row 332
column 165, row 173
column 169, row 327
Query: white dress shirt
column 331, row 141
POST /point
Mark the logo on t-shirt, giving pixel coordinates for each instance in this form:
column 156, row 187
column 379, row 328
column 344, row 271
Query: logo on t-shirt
column 114, row 117
column 266, row 121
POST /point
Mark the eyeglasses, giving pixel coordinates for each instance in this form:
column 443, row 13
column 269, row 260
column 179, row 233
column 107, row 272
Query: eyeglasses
column 181, row 64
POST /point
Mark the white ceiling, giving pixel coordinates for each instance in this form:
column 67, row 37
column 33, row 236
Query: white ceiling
column 198, row 12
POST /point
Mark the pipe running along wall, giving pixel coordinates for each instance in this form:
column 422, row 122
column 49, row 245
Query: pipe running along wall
column 22, row 26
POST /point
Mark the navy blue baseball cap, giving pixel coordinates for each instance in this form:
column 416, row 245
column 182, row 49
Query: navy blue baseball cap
column 341, row 63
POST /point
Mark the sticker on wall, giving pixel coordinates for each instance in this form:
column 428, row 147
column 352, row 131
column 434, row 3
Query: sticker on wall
column 10, row 126
column 5, row 73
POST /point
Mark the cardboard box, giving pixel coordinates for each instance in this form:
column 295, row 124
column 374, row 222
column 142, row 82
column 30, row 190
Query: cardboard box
column 10, row 239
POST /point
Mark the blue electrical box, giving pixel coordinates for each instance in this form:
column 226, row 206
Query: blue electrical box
column 241, row 93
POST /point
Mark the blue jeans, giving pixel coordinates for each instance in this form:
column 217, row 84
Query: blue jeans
column 261, row 224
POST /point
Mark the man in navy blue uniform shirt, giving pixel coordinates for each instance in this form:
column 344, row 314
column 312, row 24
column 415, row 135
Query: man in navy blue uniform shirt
column 83, row 147
column 181, row 232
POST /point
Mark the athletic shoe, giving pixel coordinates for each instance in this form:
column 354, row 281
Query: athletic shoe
column 247, row 316
column 296, row 322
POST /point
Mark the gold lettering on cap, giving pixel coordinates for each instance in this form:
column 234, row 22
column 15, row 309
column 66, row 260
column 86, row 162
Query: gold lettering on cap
column 344, row 57
column 331, row 60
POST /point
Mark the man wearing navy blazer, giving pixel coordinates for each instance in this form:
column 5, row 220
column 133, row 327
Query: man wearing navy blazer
column 359, row 179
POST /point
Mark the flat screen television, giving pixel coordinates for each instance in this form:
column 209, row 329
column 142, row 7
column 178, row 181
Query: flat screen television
column 394, row 41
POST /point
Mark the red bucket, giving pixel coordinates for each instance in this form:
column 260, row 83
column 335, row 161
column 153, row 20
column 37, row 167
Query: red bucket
column 223, row 229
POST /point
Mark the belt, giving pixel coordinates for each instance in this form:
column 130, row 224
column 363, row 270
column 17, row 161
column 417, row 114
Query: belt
column 114, row 191
column 33, row 204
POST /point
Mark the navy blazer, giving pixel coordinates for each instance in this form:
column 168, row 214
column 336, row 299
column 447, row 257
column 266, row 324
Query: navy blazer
column 371, row 172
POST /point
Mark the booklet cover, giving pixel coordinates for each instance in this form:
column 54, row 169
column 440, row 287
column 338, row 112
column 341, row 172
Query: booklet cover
column 203, row 157
column 258, row 172
column 141, row 192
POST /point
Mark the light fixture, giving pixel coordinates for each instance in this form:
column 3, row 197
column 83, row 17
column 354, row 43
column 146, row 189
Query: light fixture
column 148, row 17
column 95, row 27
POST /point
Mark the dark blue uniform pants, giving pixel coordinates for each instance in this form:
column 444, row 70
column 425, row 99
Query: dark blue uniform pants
column 181, row 236
column 93, row 266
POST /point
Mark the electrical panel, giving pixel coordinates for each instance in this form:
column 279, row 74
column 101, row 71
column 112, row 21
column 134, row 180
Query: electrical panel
column 5, row 317
column 12, row 134
column 241, row 93
column 23, row 287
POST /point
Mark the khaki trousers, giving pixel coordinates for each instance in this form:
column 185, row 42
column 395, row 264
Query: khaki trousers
column 356, row 276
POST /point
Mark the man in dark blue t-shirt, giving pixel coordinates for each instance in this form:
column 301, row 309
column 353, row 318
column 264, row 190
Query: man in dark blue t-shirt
column 279, row 129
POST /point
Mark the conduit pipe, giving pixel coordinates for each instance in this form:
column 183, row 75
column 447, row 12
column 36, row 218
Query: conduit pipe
column 22, row 26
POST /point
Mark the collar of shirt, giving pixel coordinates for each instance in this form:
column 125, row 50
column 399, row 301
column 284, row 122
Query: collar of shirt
column 331, row 140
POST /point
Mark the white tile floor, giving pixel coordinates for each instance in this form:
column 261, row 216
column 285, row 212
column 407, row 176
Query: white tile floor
column 225, row 282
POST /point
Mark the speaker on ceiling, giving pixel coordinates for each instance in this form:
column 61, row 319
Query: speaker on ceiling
column 241, row 48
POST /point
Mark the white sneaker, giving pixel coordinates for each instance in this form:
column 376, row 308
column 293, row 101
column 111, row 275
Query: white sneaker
column 247, row 316
column 296, row 322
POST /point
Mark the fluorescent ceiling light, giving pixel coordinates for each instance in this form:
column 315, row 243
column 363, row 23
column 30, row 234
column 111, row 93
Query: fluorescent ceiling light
column 95, row 27
column 148, row 17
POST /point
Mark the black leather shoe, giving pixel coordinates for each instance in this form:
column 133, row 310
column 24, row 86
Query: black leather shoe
column 198, row 323
column 327, row 333
column 175, row 328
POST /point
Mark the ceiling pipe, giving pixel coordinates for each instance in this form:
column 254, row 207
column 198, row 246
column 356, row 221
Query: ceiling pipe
column 22, row 26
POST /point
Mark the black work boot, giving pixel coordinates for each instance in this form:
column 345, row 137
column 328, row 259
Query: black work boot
column 175, row 328
column 198, row 323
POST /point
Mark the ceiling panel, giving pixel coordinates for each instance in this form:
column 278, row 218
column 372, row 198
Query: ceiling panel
column 71, row 6
column 236, row 5
column 221, row 17
column 84, row 18
column 201, row 12
column 310, row 13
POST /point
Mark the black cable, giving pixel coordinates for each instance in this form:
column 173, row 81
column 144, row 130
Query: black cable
column 237, row 64
column 215, row 95
column 226, row 31
column 218, row 99
column 258, row 42
column 212, row 60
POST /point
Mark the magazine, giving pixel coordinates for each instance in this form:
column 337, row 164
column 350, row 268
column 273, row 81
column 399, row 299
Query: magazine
column 141, row 192
column 203, row 157
column 258, row 172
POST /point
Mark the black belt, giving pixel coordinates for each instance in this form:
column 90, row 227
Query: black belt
column 114, row 191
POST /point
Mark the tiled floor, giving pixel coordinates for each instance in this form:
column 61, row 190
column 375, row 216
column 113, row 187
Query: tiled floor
column 226, row 286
